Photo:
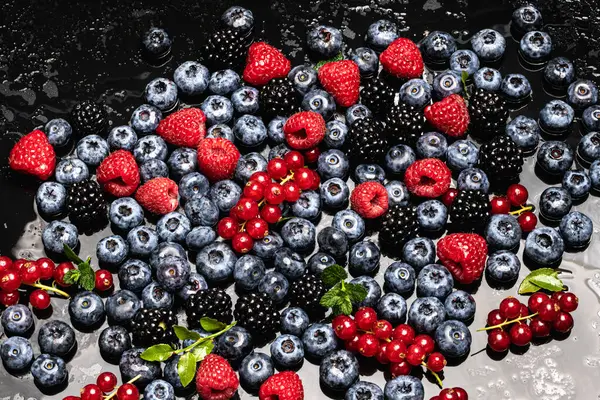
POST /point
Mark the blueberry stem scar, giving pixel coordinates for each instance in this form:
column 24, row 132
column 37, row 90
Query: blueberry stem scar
column 50, row 289
column 113, row 394
column 487, row 328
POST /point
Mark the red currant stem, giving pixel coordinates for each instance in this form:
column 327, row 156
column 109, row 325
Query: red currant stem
column 488, row 328
column 50, row 289
column 262, row 203
column 435, row 375
column 243, row 226
column 287, row 178
column 521, row 210
column 113, row 394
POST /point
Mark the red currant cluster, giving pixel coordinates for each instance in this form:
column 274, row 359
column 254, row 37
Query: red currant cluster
column 516, row 323
column 106, row 383
column 516, row 196
column 259, row 206
column 400, row 347
column 456, row 393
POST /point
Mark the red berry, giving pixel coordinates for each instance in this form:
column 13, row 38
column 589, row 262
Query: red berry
column 536, row 300
column 304, row 178
column 382, row 329
column 72, row 398
column 91, row 392
column 517, row 194
column 277, row 168
column 520, row 334
column 449, row 196
column 128, row 391
column 510, row 308
column 30, row 273
column 368, row 345
column 568, row 302
column 436, row 362
column 344, row 327
column 426, row 342
column 365, row 317
column 9, row 280
column 246, row 209
column 254, row 190
column 107, row 381
column 500, row 205
column 9, row 298
column 104, row 280
column 396, row 351
column 5, row 263
column 227, row 228
column 435, row 398
column 498, row 340
column 548, row 310
column 261, row 177
column 527, row 221
column 563, row 322
column 381, row 355
column 274, row 193
column 369, row 199
column 448, row 394
column 352, row 343
column 18, row 263
column 461, row 393
column 60, row 271
column 539, row 328
column 495, row 318
column 557, row 295
column 316, row 182
column 242, row 243
column 524, row 311
column 304, row 130
column 46, row 267
column 291, row 191
column 415, row 354
column 294, row 160
column 270, row 213
column 311, row 156
column 404, row 332
column 400, row 368
column 39, row 299
column 257, row 228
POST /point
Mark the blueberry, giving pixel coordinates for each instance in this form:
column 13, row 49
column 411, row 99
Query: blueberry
column 333, row 164
column 193, row 184
column 49, row 371
column 460, row 306
column 142, row 241
column 201, row 211
column 51, row 198
column 589, row 147
column 58, row 131
column 369, row 172
column 114, row 341
column 591, row 118
column 319, row 340
column 416, row 93
column 334, row 193
column 86, row 308
column 582, row 93
column 289, row 264
column 56, row 338
column 555, row 203
column 299, row 234
column 278, row 151
column 438, row 46
column 503, row 266
column 555, row 157
column 356, row 112
column 556, row 116
column 218, row 110
column 488, row 79
column 432, row 145
column 170, row 373
column 373, row 291
column 255, row 369
column 392, row 308
column 434, row 280
column 159, row 390
column 248, row 164
column 319, row 101
column 238, row 18
column 216, row 262
column 194, row 284
column 419, row 252
column 275, row 285
column 339, row 370
column 275, row 130
column 397, row 193
column 525, row 132
column 199, row 237
column 462, row 154
column 266, row 247
column 173, row 227
column 362, row 390
column 332, row 241
column 399, row 278
column 134, row 275
column 235, row 344
column 473, row 179
column 16, row 353
column 181, row 162
column 154, row 296
column 535, row 47
column 515, row 88
column 245, row 100
column 447, row 83
column 464, row 61
column 304, row 78
column 399, row 158
column 224, row 82
column 145, row 119
column 153, row 168
column 453, row 339
column 220, row 131
column 559, row 72
column 527, row 18
column 503, row 232
column 112, row 250
column 248, row 272
column 132, row 365
column 349, row 222
column 381, row 34
column 576, row 229
column 595, row 175
column 70, row 171
column 58, row 233
column 250, row 130
column 324, row 40
column 156, row 43
column 122, row 306
column 294, row 321
column 577, row 183
column 544, row 246
column 287, row 351
column 166, row 249
column 364, row 258
column 426, row 314
column 17, row 320
column 307, row 206
column 367, row 61
column 172, row 273
column 432, row 215
column 404, row 387
column 191, row 78
column 162, row 94
column 488, row 44
column 92, row 150
column 319, row 261
column 125, row 213
column 150, row 147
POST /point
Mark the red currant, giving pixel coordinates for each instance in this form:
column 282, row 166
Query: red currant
column 30, row 273
column 352, row 343
column 535, row 300
column 104, row 280
column 563, row 322
column 254, row 190
column 9, row 298
column 304, row 178
column 315, row 182
column 274, row 193
column 381, row 355
column 498, row 340
column 312, row 155
column 449, row 196
column 520, row 334
column 495, row 318
column 517, row 194
column 277, row 168
column 415, row 354
column 404, row 332
column 400, row 368
column 344, row 327
column 510, row 308
column 436, row 362
column 46, row 267
column 568, row 302
column 246, row 209
column 39, row 299
column 539, row 328
column 500, row 205
column 557, row 295
column 257, row 228
column 294, row 160
column 5, row 263
column 242, row 243
column 91, row 392
column 527, row 221
column 261, row 177
column 128, row 391
column 382, row 329
column 227, row 228
column 396, row 351
column 548, row 310
column 18, row 263
column 72, row 398
column 291, row 191
column 365, row 317
column 448, row 394
column 107, row 381
column 524, row 311
column 368, row 345
column 426, row 342
column 10, row 280
column 461, row 393
column 60, row 271
column 270, row 213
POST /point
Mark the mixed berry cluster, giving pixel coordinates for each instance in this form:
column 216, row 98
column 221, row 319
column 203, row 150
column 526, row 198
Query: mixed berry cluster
column 106, row 388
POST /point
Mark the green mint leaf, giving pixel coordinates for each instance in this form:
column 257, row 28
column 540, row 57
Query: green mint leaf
column 333, row 275
column 346, row 306
column 212, row 325
column 87, row 277
column 184, row 333
column 333, row 297
column 203, row 349
column 158, row 352
column 464, row 77
column 338, row 57
column 71, row 276
column 356, row 292
column 186, row 368
column 543, row 278
column 527, row 287
column 71, row 254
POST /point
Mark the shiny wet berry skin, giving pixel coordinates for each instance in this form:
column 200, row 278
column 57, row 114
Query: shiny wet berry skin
column 365, row 318
column 426, row 342
column 39, row 299
column 128, row 391
column 548, row 310
column 104, row 280
column 60, row 271
column 517, row 194
column 5, row 263
column 91, row 392
column 400, row 368
column 498, row 340
column 449, row 196
column 495, row 317
column 242, row 243
column 436, row 362
column 527, row 221
column 563, row 323
column 500, row 205
column 568, row 302
column 539, row 328
column 404, row 332
column 415, row 354
column 344, row 327
column 510, row 308
column 10, row 281
column 9, row 298
column 270, row 213
column 368, row 345
column 382, row 329
column 395, row 351
column 46, row 267
column 536, row 300
column 520, row 334
column 30, row 273
column 106, row 381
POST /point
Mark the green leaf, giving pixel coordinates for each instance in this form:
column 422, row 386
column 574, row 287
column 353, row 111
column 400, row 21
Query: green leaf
column 332, row 298
column 72, row 276
column 87, row 277
column 527, row 287
column 184, row 333
column 203, row 349
column 212, row 325
column 543, row 278
column 158, row 352
column 333, row 275
column 356, row 292
column 71, row 254
column 186, row 368
column 345, row 307
column 338, row 57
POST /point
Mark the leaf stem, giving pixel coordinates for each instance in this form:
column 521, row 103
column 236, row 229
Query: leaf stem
column 435, row 375
column 113, row 394
column 204, row 339
column 488, row 328
column 50, row 289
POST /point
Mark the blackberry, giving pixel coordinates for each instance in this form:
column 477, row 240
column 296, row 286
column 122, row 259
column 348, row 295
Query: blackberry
column 398, row 225
column 368, row 142
column 501, row 158
column 278, row 98
column 213, row 303
column 488, row 114
column 86, row 204
column 470, row 211
column 225, row 48
column 404, row 125
column 257, row 313
column 152, row 326
column 88, row 118
column 306, row 293
column 378, row 96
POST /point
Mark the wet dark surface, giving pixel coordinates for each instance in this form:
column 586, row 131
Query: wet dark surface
column 53, row 54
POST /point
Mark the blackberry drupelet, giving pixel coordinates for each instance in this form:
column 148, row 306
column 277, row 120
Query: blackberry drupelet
column 88, row 118
column 306, row 293
column 278, row 98
column 213, row 303
column 501, row 158
column 368, row 142
column 86, row 204
column 225, row 48
column 470, row 211
column 378, row 96
column 398, row 225
column 488, row 114
column 257, row 313
column 152, row 326
column 404, row 125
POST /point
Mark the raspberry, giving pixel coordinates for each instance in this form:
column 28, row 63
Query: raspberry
column 342, row 80
column 429, row 177
column 183, row 128
column 449, row 116
column 304, row 130
column 118, row 174
column 215, row 379
column 217, row 158
column 282, row 386
column 464, row 255
column 158, row 195
column 264, row 63
column 369, row 199
column 33, row 155
column 402, row 59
